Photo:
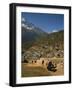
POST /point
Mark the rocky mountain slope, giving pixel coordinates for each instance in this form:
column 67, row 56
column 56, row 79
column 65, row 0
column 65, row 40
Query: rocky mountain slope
column 36, row 43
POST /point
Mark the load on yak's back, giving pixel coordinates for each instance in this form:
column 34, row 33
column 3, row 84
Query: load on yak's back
column 51, row 67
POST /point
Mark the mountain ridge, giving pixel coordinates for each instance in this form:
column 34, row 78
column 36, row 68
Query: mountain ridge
column 32, row 35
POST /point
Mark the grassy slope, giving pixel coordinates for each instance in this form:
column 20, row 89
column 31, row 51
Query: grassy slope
column 52, row 39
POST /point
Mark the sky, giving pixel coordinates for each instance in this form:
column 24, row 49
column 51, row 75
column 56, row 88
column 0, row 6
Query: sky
column 47, row 22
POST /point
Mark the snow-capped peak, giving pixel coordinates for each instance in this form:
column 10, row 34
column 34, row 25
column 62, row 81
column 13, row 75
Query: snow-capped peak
column 23, row 20
column 26, row 25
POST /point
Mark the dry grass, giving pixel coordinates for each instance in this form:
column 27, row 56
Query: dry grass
column 34, row 70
